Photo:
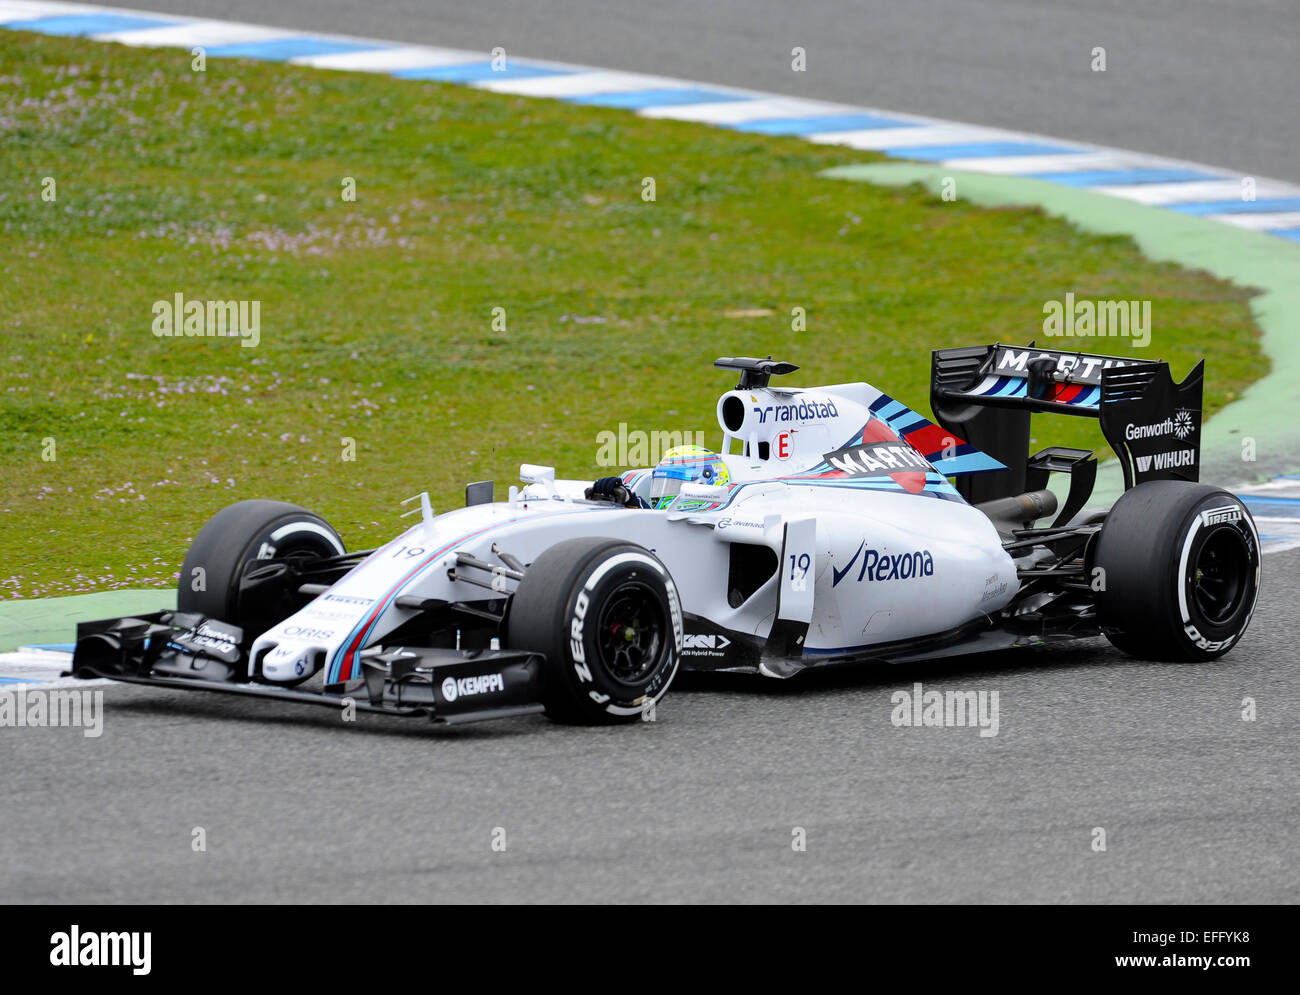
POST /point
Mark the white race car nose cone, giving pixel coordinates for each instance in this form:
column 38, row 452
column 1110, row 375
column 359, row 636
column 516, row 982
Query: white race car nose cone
column 287, row 662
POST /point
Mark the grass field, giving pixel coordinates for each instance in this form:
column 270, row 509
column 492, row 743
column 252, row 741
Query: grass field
column 377, row 315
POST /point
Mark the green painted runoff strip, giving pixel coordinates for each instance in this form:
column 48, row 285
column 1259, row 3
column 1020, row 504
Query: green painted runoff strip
column 1269, row 409
column 54, row 620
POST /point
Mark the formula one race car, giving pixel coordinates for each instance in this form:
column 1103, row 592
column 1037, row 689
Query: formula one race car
column 825, row 531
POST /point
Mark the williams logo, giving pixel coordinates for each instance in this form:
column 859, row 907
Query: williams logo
column 1166, row 461
column 878, row 566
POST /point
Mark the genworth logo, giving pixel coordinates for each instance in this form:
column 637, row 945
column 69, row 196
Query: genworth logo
column 1179, row 425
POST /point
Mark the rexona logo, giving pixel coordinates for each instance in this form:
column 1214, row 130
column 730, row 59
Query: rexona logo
column 878, row 566
column 1166, row 461
column 876, row 458
column 453, row 687
column 1223, row 515
column 803, row 411
column 704, row 644
column 1179, row 426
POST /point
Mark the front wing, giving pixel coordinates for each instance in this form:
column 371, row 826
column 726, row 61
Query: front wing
column 189, row 652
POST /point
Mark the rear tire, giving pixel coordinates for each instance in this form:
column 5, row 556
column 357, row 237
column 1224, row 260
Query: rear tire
column 606, row 615
column 1181, row 566
column 237, row 535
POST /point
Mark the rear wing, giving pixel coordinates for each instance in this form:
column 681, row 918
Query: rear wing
column 987, row 393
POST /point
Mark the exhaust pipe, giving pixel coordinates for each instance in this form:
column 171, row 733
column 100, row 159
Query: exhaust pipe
column 1020, row 510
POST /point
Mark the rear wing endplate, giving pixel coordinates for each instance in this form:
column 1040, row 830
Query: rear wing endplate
column 988, row 392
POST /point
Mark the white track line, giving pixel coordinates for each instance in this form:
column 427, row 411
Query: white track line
column 1157, row 194
column 384, row 60
column 1281, row 221
column 578, row 84
column 736, row 111
column 208, row 34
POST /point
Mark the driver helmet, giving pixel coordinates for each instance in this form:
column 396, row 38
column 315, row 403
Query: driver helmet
column 680, row 465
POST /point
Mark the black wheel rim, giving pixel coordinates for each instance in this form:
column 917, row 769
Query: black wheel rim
column 305, row 545
column 631, row 631
column 1219, row 575
column 261, row 607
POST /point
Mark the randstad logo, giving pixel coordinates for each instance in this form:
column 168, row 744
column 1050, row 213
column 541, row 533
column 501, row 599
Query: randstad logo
column 804, row 411
column 179, row 318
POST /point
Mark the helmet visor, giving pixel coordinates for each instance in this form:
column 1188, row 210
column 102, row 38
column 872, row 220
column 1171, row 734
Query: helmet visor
column 665, row 485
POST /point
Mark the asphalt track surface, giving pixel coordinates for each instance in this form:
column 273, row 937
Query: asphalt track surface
column 701, row 805
column 1198, row 805
column 1203, row 80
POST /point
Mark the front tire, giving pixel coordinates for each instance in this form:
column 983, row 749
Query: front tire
column 606, row 614
column 240, row 534
column 1180, row 569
